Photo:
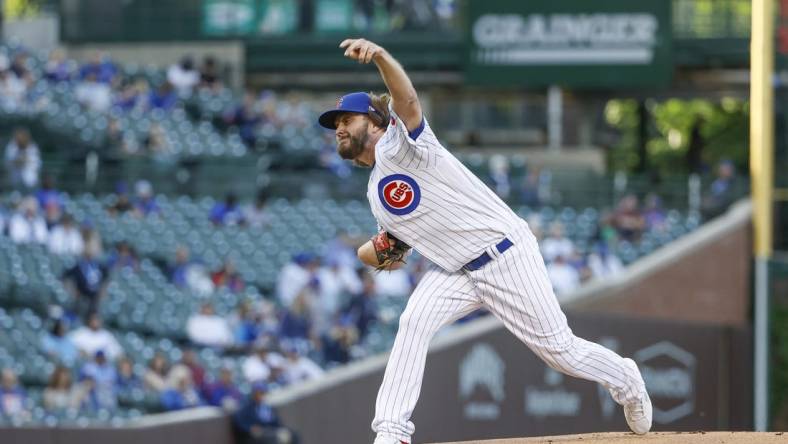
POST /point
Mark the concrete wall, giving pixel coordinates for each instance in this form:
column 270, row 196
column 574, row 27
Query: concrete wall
column 481, row 382
column 703, row 277
column 40, row 33
column 206, row 425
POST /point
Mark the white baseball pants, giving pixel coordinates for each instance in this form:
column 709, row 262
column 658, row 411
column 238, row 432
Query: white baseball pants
column 515, row 288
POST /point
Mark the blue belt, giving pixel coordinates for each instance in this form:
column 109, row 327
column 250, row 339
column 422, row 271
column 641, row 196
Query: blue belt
column 482, row 260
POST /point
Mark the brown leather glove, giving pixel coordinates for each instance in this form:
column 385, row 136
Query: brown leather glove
column 389, row 250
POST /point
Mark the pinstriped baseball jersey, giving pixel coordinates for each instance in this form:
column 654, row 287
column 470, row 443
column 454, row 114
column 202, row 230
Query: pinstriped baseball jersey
column 419, row 192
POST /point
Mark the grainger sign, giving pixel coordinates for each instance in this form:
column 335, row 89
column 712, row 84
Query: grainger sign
column 604, row 43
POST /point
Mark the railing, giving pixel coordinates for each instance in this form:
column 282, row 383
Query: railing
column 558, row 187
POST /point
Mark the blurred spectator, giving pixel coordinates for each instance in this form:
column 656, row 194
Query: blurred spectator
column 163, row 97
column 132, row 95
column 266, row 318
column 247, row 118
column 100, row 66
column 22, row 160
column 223, row 392
column 298, row 367
column 156, row 144
column 258, row 366
column 92, row 240
column 12, row 396
column 556, row 244
column 104, row 377
column 87, row 283
column 209, row 74
column 227, row 277
column 362, row 309
column 145, row 203
column 122, row 203
column 606, row 230
column 297, row 323
column 579, row 262
column 256, row 215
column 499, row 175
column 128, row 380
column 61, row 394
column 65, row 239
column 19, row 65
column 227, row 212
column 116, row 139
column 338, row 343
column 343, row 249
column 296, row 276
column 182, row 393
column 628, row 220
column 654, row 214
column 208, row 328
column 196, row 371
column 187, row 273
column 563, row 276
column 123, row 257
column 535, row 188
column 335, row 282
column 12, row 88
column 245, row 325
column 258, row 423
column 93, row 94
column 183, row 76
column 59, row 346
column 722, row 191
column 57, row 68
column 50, row 200
column 394, row 283
column 155, row 377
column 93, row 338
column 26, row 226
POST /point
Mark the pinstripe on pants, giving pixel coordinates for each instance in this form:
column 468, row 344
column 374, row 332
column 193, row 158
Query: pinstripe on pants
column 515, row 288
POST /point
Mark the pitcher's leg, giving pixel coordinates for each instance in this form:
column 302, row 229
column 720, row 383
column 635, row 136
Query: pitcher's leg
column 517, row 290
column 439, row 298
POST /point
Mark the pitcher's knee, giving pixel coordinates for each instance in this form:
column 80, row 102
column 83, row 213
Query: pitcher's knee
column 408, row 320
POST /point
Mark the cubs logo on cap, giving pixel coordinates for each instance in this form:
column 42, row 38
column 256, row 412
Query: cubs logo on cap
column 357, row 102
column 399, row 194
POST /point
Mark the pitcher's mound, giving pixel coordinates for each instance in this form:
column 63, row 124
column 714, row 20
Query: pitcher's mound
column 651, row 438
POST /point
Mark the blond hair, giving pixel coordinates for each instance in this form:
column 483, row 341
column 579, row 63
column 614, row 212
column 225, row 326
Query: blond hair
column 381, row 116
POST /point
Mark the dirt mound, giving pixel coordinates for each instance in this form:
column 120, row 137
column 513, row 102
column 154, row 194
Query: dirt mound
column 651, row 438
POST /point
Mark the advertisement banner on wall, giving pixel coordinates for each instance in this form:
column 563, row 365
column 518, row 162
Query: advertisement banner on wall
column 490, row 386
column 574, row 43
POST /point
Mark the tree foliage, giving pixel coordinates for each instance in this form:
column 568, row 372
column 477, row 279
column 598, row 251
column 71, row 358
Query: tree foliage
column 723, row 130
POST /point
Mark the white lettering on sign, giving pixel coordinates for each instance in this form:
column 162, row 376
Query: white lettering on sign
column 674, row 382
column 557, row 39
column 559, row 402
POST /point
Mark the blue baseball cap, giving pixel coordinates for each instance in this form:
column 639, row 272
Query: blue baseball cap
column 357, row 102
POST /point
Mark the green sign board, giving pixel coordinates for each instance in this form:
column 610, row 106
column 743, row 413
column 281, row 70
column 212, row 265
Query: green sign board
column 228, row 17
column 574, row 43
column 247, row 17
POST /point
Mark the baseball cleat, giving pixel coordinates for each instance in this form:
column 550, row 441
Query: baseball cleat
column 638, row 412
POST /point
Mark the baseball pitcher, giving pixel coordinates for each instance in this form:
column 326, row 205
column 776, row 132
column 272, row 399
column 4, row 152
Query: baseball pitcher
column 483, row 254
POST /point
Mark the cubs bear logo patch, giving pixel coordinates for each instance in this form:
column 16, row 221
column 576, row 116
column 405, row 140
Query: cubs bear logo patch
column 399, row 194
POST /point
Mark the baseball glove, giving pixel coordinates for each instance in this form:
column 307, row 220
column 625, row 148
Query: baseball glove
column 389, row 250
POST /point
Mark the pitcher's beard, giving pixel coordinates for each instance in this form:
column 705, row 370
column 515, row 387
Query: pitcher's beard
column 354, row 147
